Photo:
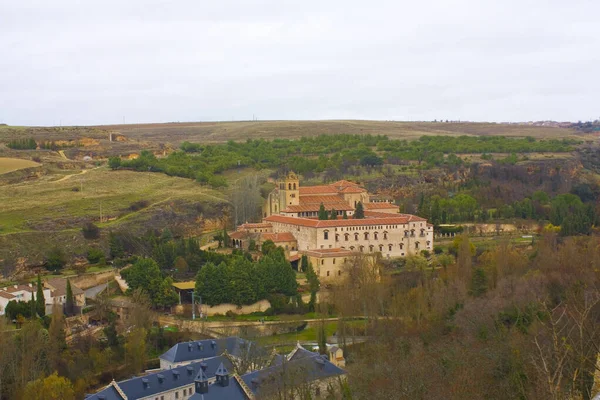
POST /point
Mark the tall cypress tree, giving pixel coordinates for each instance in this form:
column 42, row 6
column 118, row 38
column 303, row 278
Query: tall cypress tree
column 40, row 301
column 359, row 212
column 345, row 215
column 70, row 301
column 323, row 215
column 333, row 215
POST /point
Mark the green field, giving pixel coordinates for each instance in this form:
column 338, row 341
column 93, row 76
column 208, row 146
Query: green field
column 15, row 164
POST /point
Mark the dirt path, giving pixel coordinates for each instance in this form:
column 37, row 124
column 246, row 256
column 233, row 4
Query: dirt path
column 62, row 154
column 64, row 178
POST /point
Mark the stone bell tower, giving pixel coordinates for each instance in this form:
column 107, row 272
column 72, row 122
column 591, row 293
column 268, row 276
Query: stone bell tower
column 292, row 189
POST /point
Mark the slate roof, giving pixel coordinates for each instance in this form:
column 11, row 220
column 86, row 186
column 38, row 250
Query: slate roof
column 233, row 391
column 200, row 349
column 161, row 381
column 305, row 368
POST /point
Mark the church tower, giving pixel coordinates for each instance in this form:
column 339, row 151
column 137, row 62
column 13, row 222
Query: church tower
column 292, row 189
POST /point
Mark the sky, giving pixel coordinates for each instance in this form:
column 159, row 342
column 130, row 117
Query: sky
column 131, row 61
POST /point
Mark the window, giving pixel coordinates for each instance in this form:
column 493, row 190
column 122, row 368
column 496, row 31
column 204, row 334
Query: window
column 401, row 246
column 356, row 236
column 289, row 186
column 326, row 235
column 334, row 260
column 327, row 273
column 366, row 235
column 346, row 237
column 293, row 195
column 337, row 237
column 176, row 395
column 371, row 248
column 380, row 247
column 375, row 235
column 416, row 245
column 390, row 247
column 384, row 235
column 322, row 262
column 339, row 272
column 185, row 392
column 362, row 249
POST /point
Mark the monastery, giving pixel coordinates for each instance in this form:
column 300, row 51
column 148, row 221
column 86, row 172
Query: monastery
column 290, row 220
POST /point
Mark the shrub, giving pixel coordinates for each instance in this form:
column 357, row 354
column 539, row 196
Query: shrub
column 94, row 255
column 425, row 253
column 90, row 231
column 56, row 259
column 438, row 249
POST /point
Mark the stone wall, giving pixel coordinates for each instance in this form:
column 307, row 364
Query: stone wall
column 186, row 309
column 93, row 279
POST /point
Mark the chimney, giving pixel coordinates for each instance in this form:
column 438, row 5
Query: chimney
column 201, row 383
column 222, row 375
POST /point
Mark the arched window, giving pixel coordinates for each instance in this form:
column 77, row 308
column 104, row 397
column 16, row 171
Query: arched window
column 380, row 247
column 362, row 249
column 390, row 247
column 366, row 235
column 337, row 237
column 352, row 248
column 412, row 233
column 346, row 236
column 289, row 186
column 401, row 246
column 375, row 235
column 356, row 236
column 405, row 233
column 371, row 248
column 294, row 186
column 384, row 235
column 416, row 245
column 422, row 232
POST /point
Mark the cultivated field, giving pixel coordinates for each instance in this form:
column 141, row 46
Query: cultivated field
column 15, row 164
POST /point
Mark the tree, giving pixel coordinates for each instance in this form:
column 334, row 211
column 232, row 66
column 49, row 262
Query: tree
column 323, row 213
column 135, row 350
column 57, row 342
column 56, row 259
column 313, row 282
column 94, row 255
column 268, row 246
column 345, row 215
column 333, row 215
column 145, row 275
column 359, row 212
column 252, row 245
column 53, row 387
column 181, row 265
column 116, row 245
column 479, row 282
column 114, row 163
column 90, row 231
column 70, row 301
column 322, row 338
column 40, row 301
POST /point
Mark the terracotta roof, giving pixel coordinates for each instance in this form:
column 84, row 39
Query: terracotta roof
column 380, row 206
column 378, row 219
column 338, row 206
column 238, row 235
column 318, row 199
column 278, row 237
column 316, row 190
column 19, row 288
column 325, row 253
column 351, row 189
column 6, row 295
column 345, row 183
column 254, row 226
column 59, row 287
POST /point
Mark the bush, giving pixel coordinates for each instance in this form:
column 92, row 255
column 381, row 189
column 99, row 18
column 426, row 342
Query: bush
column 230, row 314
column 90, row 231
column 55, row 260
column 425, row 253
column 438, row 249
column 94, row 255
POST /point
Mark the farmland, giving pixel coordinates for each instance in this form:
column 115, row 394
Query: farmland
column 15, row 164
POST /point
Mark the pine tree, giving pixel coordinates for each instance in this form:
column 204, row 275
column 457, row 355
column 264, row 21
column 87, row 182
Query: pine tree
column 322, row 339
column 323, row 213
column 345, row 215
column 226, row 240
column 359, row 212
column 40, row 301
column 70, row 301
column 333, row 215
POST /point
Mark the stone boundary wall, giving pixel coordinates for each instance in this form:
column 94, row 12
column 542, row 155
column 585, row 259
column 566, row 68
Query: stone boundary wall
column 186, row 309
column 87, row 281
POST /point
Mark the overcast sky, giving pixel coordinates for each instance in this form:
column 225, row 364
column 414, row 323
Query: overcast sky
column 101, row 62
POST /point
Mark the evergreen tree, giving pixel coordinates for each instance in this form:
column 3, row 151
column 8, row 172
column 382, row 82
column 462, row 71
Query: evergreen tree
column 70, row 303
column 40, row 301
column 313, row 282
column 226, row 239
column 323, row 213
column 115, row 246
column 333, row 215
column 322, row 338
column 359, row 212
column 479, row 282
column 345, row 215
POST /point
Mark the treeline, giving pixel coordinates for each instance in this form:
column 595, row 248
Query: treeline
column 239, row 280
column 22, row 144
column 504, row 322
column 327, row 152
column 565, row 210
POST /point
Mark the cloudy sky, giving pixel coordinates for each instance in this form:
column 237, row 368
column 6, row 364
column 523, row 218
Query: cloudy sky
column 100, row 62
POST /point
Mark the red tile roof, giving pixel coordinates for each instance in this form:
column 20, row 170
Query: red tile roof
column 323, row 253
column 378, row 219
column 278, row 237
column 350, row 189
column 6, row 295
column 254, row 225
column 321, row 199
column 239, row 235
column 338, row 206
column 345, row 183
column 317, row 190
column 380, row 206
